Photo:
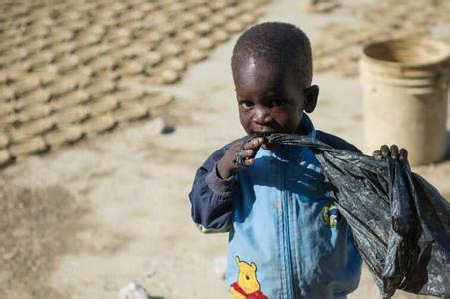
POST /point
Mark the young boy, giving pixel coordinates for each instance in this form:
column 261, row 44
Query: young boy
column 286, row 237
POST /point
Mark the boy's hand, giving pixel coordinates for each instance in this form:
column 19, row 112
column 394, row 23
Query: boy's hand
column 393, row 152
column 236, row 159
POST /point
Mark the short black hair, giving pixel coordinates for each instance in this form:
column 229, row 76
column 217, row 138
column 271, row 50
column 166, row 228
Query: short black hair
column 279, row 43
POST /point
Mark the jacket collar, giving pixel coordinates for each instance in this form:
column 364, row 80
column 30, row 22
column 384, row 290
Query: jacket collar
column 306, row 127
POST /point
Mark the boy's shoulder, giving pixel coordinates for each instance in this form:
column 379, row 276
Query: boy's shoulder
column 335, row 141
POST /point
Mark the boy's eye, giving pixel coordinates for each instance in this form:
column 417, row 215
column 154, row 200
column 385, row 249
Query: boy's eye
column 247, row 104
column 278, row 102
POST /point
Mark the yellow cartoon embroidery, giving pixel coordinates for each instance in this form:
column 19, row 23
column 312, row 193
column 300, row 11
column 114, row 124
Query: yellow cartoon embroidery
column 331, row 216
column 247, row 285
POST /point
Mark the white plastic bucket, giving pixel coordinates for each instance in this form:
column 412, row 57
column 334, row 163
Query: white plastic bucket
column 405, row 86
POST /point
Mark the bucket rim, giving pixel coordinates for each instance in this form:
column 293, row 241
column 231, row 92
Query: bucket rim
column 443, row 57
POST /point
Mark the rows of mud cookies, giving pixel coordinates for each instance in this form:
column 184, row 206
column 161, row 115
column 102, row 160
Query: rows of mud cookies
column 51, row 116
column 63, row 63
column 153, row 41
column 340, row 44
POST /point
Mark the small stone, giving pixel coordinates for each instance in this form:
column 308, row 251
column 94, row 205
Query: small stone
column 155, row 126
column 9, row 255
column 133, row 291
column 149, row 274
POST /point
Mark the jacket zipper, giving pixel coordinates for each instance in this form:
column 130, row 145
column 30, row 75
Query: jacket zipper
column 287, row 246
column 287, row 242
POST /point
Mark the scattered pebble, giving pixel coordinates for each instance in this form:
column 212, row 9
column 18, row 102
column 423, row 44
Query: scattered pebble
column 158, row 126
column 149, row 274
column 133, row 291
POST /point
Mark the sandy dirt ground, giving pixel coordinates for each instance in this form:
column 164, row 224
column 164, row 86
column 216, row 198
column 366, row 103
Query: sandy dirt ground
column 85, row 221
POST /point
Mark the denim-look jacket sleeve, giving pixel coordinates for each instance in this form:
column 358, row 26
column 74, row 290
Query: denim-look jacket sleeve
column 212, row 197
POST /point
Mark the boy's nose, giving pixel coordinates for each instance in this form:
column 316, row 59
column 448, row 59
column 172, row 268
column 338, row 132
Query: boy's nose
column 262, row 116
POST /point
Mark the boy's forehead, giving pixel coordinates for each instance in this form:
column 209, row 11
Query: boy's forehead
column 253, row 70
column 256, row 67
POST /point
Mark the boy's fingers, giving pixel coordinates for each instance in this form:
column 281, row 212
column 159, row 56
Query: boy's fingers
column 245, row 156
column 253, row 144
column 249, row 153
column 377, row 154
column 384, row 149
column 239, row 158
column 394, row 152
column 237, row 145
column 249, row 161
column 403, row 155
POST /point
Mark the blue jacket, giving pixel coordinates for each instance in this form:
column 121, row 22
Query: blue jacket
column 286, row 237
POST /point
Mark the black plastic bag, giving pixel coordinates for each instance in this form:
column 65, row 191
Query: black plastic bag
column 401, row 224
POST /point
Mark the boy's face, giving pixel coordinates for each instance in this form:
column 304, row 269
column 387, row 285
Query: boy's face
column 270, row 98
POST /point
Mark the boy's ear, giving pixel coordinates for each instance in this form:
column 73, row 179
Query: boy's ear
column 311, row 96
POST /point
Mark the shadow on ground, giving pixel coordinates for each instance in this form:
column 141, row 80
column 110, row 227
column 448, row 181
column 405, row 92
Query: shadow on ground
column 36, row 226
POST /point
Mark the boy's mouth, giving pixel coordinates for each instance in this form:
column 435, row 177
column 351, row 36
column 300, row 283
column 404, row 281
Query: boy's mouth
column 262, row 135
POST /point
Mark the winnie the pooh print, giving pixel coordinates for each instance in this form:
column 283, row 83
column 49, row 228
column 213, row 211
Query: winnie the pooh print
column 247, row 285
